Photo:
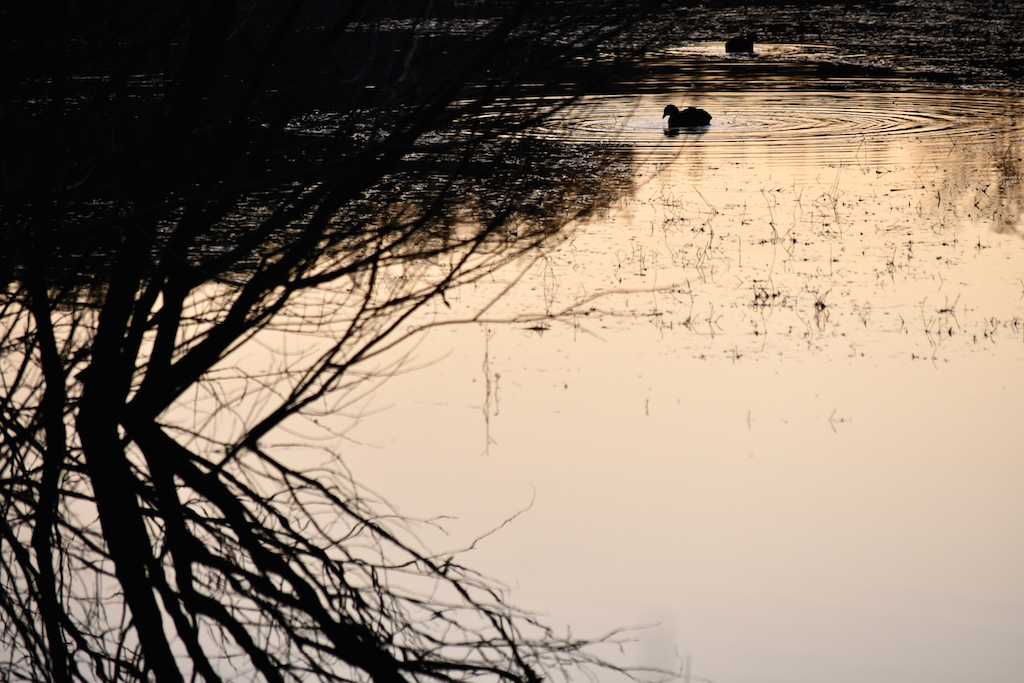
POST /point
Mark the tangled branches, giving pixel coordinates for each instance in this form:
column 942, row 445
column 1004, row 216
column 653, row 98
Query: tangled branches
column 187, row 181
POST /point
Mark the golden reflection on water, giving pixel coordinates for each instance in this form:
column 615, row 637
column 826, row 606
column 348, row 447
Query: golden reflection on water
column 822, row 218
column 789, row 433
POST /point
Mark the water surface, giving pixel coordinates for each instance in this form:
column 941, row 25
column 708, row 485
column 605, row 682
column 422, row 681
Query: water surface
column 781, row 418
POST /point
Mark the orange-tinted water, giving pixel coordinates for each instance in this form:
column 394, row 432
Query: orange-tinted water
column 788, row 428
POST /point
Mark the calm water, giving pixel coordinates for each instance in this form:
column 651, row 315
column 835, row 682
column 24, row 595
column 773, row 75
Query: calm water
column 782, row 425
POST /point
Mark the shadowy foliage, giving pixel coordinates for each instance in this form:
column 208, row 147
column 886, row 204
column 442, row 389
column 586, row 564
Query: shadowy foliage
column 188, row 191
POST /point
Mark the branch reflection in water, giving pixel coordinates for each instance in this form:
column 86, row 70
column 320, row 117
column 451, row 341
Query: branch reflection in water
column 210, row 233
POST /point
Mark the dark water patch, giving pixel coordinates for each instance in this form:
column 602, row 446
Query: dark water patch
column 957, row 41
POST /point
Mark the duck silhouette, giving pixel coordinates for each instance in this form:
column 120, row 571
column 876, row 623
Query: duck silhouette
column 690, row 117
column 740, row 44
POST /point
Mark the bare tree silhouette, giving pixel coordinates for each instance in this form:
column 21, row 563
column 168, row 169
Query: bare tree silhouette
column 181, row 180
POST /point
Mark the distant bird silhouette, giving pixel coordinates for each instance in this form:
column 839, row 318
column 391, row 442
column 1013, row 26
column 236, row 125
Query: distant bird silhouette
column 687, row 118
column 740, row 44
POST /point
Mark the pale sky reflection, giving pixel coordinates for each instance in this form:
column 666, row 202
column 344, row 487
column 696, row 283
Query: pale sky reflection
column 795, row 492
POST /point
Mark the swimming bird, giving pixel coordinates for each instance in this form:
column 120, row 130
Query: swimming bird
column 740, row 44
column 687, row 118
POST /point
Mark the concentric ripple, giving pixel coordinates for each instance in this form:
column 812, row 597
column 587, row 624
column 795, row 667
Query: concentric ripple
column 785, row 112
